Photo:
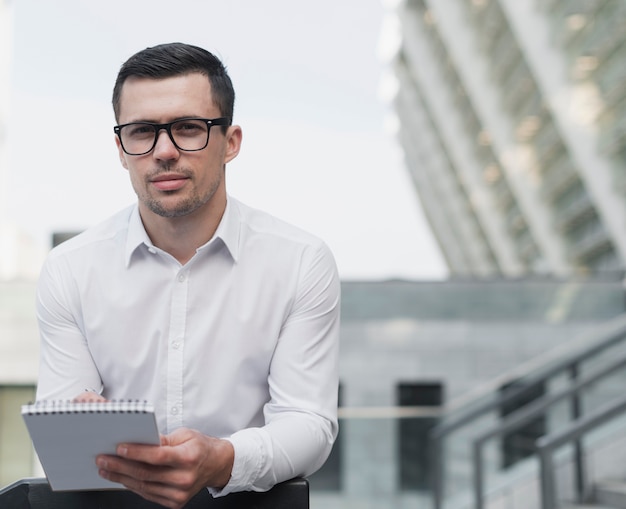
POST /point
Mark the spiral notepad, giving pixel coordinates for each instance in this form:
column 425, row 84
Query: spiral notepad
column 68, row 436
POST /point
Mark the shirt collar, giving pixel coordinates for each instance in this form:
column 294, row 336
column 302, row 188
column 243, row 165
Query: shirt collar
column 229, row 228
column 136, row 235
column 227, row 231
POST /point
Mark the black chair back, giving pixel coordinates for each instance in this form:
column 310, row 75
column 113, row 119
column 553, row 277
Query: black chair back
column 36, row 494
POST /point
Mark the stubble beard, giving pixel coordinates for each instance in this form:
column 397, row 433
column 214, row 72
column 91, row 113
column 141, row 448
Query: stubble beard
column 184, row 207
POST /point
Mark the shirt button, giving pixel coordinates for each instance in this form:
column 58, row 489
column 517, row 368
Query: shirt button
column 181, row 277
column 176, row 344
column 174, row 410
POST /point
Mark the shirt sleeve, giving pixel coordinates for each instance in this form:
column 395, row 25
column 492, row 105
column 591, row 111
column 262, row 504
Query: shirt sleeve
column 301, row 417
column 66, row 367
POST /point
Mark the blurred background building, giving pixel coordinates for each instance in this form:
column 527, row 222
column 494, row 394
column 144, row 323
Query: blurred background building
column 512, row 115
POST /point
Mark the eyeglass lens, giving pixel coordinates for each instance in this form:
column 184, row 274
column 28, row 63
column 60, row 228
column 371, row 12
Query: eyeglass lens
column 140, row 138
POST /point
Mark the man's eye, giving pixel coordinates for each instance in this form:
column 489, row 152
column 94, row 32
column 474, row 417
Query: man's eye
column 140, row 130
column 189, row 128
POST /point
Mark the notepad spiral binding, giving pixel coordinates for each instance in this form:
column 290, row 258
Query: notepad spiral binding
column 65, row 407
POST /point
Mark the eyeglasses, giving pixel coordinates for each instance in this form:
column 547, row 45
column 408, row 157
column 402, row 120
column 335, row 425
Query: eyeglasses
column 188, row 134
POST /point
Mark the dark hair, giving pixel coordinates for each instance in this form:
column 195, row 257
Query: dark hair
column 175, row 59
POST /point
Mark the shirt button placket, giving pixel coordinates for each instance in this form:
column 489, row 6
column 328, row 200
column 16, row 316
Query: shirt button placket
column 175, row 358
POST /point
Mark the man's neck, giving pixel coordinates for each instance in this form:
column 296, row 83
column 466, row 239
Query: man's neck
column 182, row 236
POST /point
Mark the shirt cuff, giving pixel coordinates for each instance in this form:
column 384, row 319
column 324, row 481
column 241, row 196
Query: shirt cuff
column 249, row 463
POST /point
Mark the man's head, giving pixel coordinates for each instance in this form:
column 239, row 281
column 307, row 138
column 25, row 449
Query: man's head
column 175, row 59
column 171, row 95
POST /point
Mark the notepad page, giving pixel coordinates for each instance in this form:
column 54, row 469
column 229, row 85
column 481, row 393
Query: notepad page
column 67, row 443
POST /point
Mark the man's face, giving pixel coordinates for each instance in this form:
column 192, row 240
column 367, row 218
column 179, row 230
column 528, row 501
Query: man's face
column 170, row 182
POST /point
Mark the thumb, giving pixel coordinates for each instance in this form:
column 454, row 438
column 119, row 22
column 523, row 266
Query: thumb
column 176, row 437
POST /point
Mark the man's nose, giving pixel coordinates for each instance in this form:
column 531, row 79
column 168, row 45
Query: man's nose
column 165, row 148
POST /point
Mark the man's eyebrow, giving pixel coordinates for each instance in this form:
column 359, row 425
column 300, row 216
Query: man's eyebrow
column 153, row 121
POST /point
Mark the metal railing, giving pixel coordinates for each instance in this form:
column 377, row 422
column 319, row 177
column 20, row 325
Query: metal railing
column 611, row 334
column 547, row 445
column 525, row 414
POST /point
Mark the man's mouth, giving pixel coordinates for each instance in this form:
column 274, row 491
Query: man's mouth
column 169, row 181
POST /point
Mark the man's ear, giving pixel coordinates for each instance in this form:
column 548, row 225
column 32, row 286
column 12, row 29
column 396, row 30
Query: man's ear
column 121, row 152
column 233, row 143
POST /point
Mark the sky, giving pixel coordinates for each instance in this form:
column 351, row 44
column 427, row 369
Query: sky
column 317, row 149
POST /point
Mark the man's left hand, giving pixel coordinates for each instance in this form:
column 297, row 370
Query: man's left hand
column 186, row 462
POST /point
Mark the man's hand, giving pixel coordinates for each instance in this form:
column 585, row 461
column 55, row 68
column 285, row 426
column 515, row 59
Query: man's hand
column 186, row 462
column 89, row 397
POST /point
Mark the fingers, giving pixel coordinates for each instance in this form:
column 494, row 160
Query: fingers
column 150, row 454
column 130, row 472
column 180, row 436
column 172, row 452
column 166, row 486
column 149, row 464
column 89, row 397
column 164, row 494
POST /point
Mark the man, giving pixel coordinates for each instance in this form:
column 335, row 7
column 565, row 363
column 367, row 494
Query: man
column 223, row 317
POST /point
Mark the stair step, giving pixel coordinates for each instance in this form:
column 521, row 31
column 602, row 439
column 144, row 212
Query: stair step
column 611, row 492
column 586, row 506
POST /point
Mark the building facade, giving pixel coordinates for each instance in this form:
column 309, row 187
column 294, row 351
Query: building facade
column 512, row 116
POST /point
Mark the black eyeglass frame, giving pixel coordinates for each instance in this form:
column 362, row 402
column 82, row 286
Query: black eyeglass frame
column 210, row 122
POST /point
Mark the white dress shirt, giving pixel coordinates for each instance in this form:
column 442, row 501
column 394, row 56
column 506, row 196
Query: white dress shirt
column 241, row 342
